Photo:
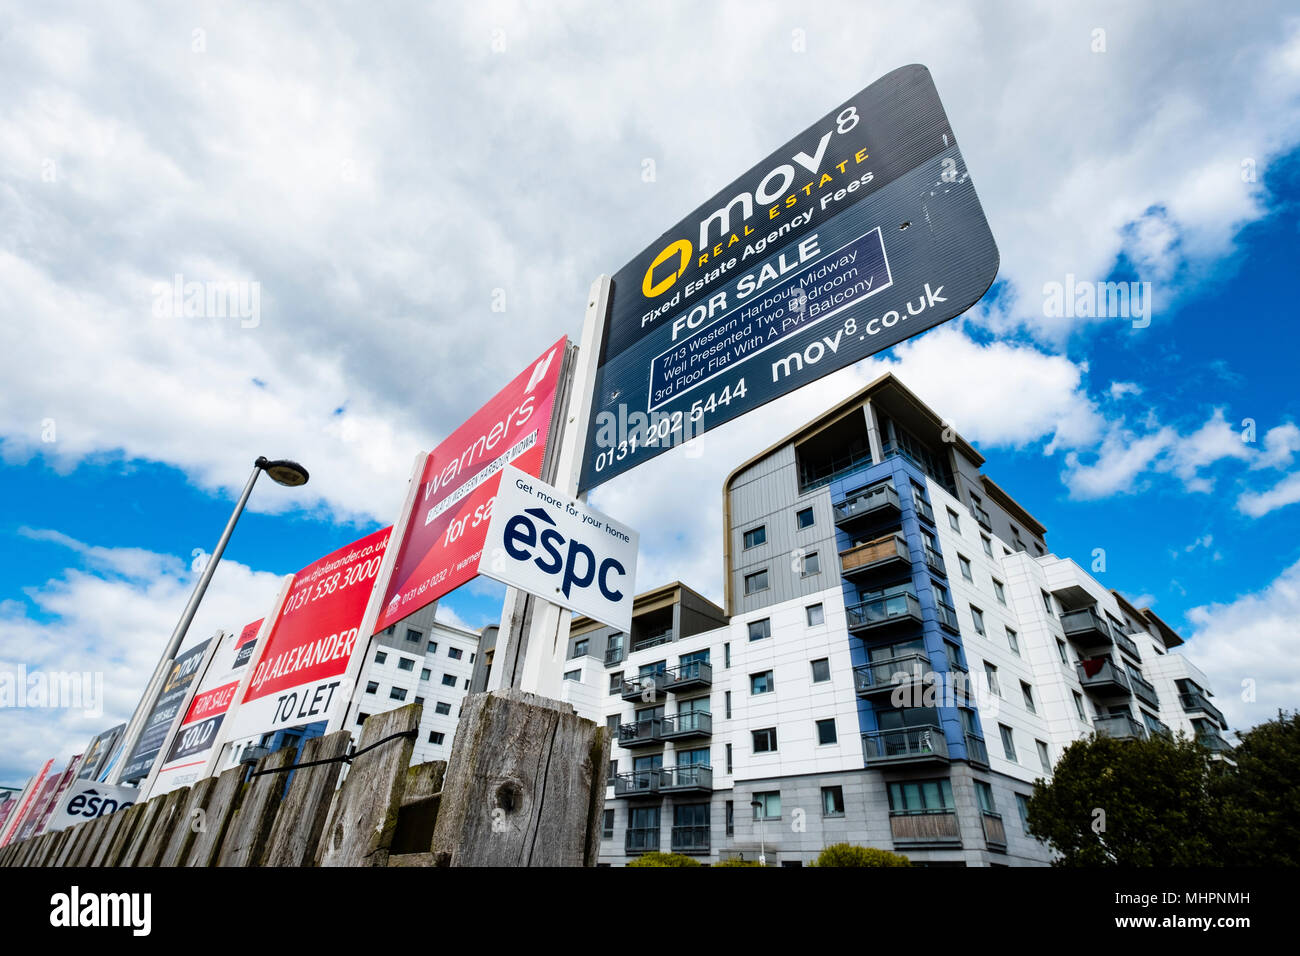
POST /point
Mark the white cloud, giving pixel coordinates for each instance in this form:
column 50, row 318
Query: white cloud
column 1280, row 445
column 1254, row 638
column 1259, row 503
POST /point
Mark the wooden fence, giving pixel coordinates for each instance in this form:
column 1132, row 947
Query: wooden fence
column 525, row 786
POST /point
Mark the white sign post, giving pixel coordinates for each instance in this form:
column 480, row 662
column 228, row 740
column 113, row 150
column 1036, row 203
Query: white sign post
column 557, row 548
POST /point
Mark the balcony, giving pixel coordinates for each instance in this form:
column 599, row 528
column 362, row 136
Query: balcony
column 884, row 612
column 935, row 563
column 641, row 840
column 924, row 827
column 924, row 744
column 1119, row 726
column 1102, row 677
column 694, row 723
column 1195, row 702
column 923, row 509
column 982, row 517
column 880, row 554
column 879, row 504
column 690, row 839
column 1086, row 627
column 995, row 834
column 613, row 655
column 878, row 679
column 641, row 733
column 693, row 675
column 976, row 751
column 947, row 617
column 1126, row 644
column 1213, row 741
column 693, row 778
column 1144, row 690
column 647, row 687
column 638, row 783
column 653, row 640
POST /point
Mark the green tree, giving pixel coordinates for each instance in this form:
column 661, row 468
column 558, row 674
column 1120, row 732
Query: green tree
column 846, row 854
column 1131, row 803
column 664, row 859
column 1260, row 796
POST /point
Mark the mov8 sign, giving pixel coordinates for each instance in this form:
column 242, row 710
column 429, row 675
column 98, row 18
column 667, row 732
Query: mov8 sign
column 298, row 677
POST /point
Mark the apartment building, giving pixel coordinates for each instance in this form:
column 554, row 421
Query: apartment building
column 899, row 659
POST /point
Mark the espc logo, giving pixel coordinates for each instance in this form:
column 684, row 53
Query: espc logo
column 577, row 566
column 91, row 805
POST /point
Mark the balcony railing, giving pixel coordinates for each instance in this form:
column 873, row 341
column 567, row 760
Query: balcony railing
column 912, row 827
column 948, row 617
column 641, row 733
column 689, row 676
column 995, row 834
column 691, row 777
column 879, row 678
column 982, row 517
column 814, row 475
column 884, row 611
column 613, row 655
column 1144, row 690
column 874, row 555
column 1194, row 702
column 639, row 783
column 646, row 687
column 641, row 839
column 880, row 501
column 690, row 839
column 934, row 562
column 977, row 752
column 1125, row 643
column 923, row 509
column 654, row 640
column 924, row 744
column 1121, row 726
column 1087, row 627
column 1213, row 740
column 1102, row 676
column 692, row 723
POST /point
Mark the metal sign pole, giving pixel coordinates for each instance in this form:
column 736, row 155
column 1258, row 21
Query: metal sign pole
column 534, row 633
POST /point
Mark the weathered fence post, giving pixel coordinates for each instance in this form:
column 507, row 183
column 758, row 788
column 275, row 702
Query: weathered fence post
column 525, row 785
column 301, row 818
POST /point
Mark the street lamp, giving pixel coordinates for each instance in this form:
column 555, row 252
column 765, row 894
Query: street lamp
column 762, row 840
column 281, row 471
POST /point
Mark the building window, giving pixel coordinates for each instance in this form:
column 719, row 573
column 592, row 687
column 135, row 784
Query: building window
column 455, row 653
column 821, row 670
column 420, row 701
column 611, row 724
column 756, row 582
column 810, row 565
column 816, row 615
column 612, row 773
column 765, row 740
column 1078, row 705
column 380, row 657
column 999, row 592
column 433, row 647
column 953, row 521
column 1044, row 757
column 728, row 758
column 471, row 658
column 731, row 818
column 991, row 672
column 607, row 825
column 977, row 616
column 803, row 518
column 1013, row 642
column 932, row 795
column 1047, row 602
column 1022, row 804
column 1008, row 742
column 413, row 635
column 1028, row 693
column 580, row 648
column 1039, row 548
column 1060, row 652
column 726, row 697
column 406, row 663
column 964, row 563
column 755, row 536
column 761, row 683
column 436, row 736
column 362, row 718
column 832, row 801
column 442, row 707
column 616, row 682
column 760, row 629
column 573, row 675
column 769, row 805
column 984, row 796
column 397, row 693
column 988, row 544
column 826, row 731
column 726, row 654
column 424, row 673
column 449, row 680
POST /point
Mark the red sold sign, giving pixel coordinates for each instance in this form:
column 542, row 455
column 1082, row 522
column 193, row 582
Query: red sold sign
column 453, row 504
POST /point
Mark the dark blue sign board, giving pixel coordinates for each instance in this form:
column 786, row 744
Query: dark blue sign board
column 862, row 231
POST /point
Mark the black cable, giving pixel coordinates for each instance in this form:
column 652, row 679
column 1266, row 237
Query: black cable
column 345, row 758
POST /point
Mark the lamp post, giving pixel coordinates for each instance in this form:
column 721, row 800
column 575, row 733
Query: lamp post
column 281, row 471
column 762, row 839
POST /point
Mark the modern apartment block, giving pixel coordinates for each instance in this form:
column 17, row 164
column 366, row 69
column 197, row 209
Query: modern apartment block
column 900, row 658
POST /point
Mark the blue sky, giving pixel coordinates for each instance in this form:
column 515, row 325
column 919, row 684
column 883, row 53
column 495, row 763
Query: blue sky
column 383, row 197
